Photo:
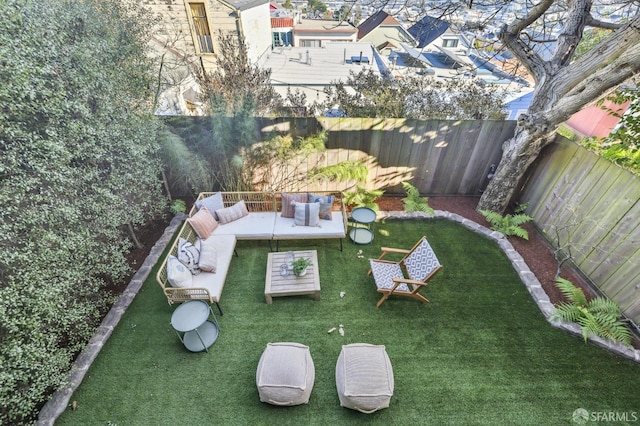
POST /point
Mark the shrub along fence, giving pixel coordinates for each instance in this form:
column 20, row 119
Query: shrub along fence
column 589, row 209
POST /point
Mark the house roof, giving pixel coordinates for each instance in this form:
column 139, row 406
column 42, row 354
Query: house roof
column 428, row 29
column 324, row 26
column 317, row 67
column 374, row 21
column 286, row 22
column 246, row 4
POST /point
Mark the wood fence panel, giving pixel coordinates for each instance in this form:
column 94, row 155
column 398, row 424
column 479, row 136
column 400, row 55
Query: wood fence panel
column 474, row 177
column 547, row 171
column 596, row 206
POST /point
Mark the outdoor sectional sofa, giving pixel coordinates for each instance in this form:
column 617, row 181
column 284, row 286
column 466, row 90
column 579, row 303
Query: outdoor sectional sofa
column 262, row 220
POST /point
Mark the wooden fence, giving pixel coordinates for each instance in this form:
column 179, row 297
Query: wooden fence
column 437, row 156
column 590, row 208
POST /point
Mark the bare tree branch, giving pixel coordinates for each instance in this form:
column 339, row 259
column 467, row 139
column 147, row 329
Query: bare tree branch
column 593, row 22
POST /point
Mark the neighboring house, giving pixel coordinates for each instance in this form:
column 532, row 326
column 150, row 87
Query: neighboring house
column 189, row 30
column 518, row 106
column 427, row 30
column 319, row 32
column 309, row 70
column 593, row 120
column 384, row 32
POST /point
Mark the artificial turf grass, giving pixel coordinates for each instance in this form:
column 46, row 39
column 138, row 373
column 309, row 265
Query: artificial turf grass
column 479, row 353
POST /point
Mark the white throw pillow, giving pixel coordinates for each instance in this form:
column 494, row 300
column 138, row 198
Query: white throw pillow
column 189, row 255
column 208, row 255
column 212, row 203
column 307, row 214
column 177, row 274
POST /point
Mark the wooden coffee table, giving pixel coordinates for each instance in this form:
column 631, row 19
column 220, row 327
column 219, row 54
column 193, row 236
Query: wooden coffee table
column 276, row 285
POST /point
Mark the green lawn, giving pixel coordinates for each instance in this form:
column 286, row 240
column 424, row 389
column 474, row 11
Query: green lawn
column 479, row 353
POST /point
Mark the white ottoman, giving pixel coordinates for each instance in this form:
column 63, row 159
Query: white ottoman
column 285, row 374
column 364, row 377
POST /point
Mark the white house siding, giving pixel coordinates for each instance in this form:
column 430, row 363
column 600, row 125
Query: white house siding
column 257, row 35
column 392, row 35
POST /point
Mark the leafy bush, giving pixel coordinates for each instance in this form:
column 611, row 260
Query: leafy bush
column 363, row 197
column 413, row 202
column 509, row 224
column 599, row 316
column 79, row 167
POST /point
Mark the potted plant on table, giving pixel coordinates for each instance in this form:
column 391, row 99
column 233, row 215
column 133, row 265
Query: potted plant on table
column 300, row 265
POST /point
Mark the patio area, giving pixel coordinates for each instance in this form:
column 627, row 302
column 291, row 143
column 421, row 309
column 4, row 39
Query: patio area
column 480, row 352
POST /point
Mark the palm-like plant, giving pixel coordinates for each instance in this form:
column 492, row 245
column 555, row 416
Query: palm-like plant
column 599, row 316
column 509, row 224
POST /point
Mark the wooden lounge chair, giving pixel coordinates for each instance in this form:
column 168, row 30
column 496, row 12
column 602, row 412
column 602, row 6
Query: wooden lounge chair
column 420, row 264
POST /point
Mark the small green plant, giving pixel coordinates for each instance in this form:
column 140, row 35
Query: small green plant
column 177, row 206
column 362, row 197
column 413, row 202
column 509, row 224
column 599, row 316
column 300, row 264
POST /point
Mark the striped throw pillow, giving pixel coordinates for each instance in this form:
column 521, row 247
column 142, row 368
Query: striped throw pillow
column 203, row 223
column 235, row 212
column 307, row 214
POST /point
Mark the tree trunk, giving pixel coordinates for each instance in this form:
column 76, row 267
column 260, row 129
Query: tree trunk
column 517, row 155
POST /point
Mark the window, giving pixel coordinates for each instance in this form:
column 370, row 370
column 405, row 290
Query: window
column 310, row 43
column 201, row 25
column 282, row 39
column 452, row 42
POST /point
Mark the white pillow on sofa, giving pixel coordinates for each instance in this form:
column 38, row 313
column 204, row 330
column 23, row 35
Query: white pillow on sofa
column 177, row 274
column 189, row 254
column 208, row 255
column 306, row 214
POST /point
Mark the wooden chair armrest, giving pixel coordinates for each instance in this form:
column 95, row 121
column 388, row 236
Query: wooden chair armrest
column 386, row 250
column 408, row 281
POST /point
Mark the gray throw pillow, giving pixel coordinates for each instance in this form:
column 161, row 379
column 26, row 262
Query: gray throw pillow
column 307, row 214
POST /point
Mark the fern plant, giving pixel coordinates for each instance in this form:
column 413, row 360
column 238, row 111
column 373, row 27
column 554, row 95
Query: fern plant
column 509, row 224
column 599, row 316
column 413, row 202
column 362, row 197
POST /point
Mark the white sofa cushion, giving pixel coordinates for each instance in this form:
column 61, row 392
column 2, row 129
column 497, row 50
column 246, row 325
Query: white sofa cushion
column 214, row 282
column 284, row 229
column 254, row 226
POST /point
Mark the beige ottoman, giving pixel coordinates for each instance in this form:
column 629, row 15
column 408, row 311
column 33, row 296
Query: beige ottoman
column 285, row 374
column 364, row 377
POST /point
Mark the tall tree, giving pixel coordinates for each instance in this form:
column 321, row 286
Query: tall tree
column 368, row 94
column 563, row 85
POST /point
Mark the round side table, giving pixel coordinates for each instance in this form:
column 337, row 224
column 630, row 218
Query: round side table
column 191, row 322
column 364, row 220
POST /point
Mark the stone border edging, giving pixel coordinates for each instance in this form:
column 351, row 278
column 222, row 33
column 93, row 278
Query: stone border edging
column 526, row 276
column 60, row 399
